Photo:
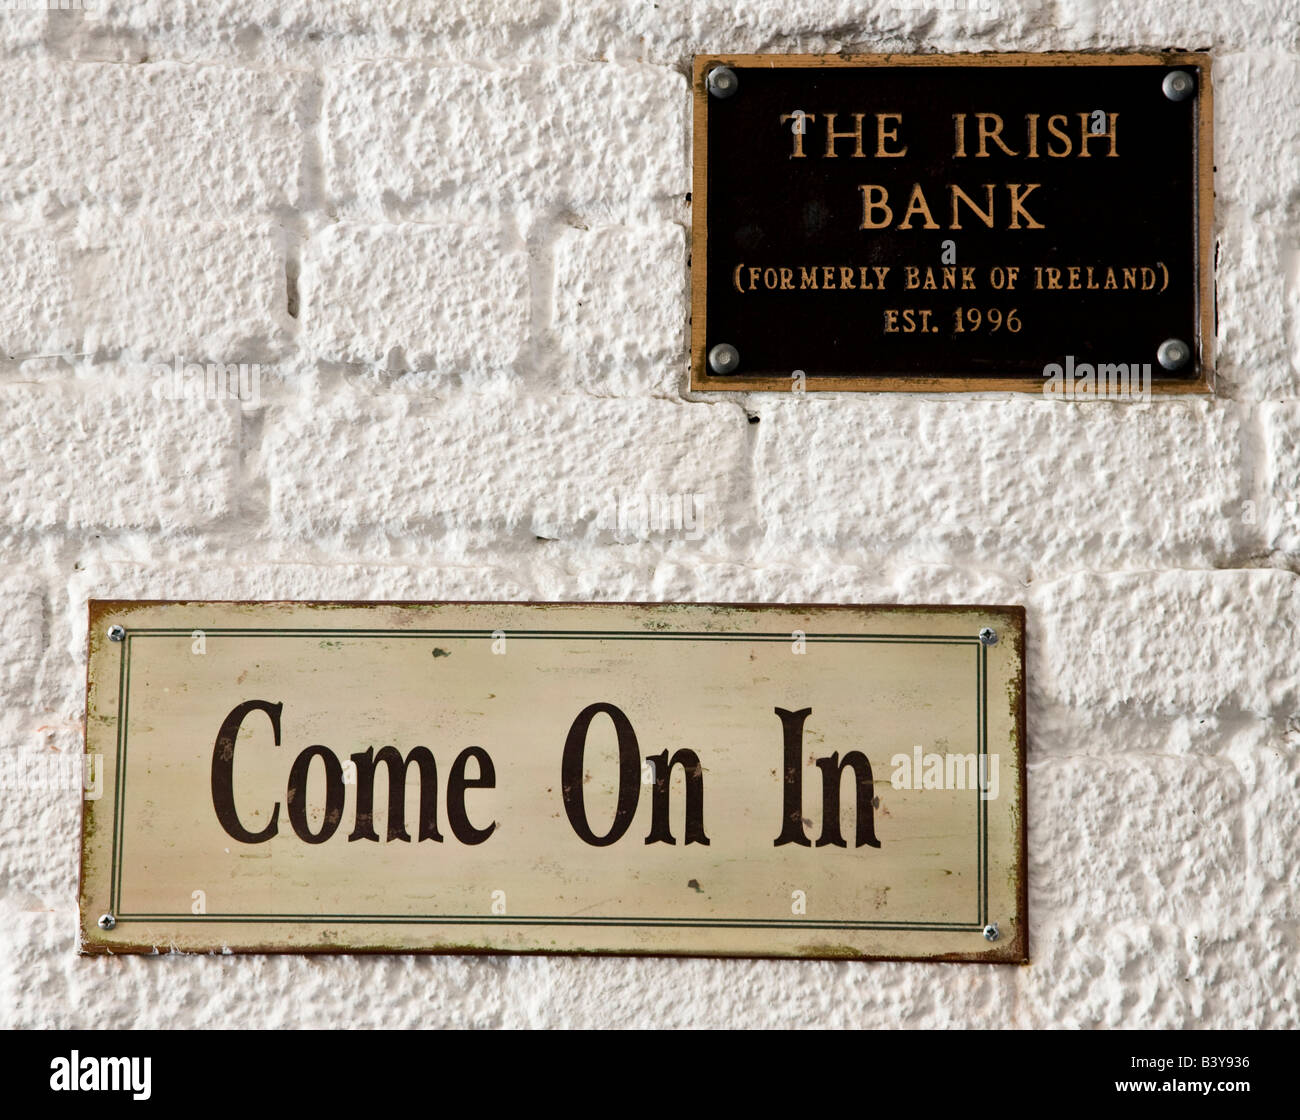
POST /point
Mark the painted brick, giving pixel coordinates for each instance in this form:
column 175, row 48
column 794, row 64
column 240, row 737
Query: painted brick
column 507, row 464
column 447, row 298
column 1163, row 643
column 425, row 142
column 200, row 291
column 943, row 482
column 205, row 141
column 115, row 461
column 621, row 308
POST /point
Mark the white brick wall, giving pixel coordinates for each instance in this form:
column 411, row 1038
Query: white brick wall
column 419, row 140
column 455, row 236
column 450, row 298
column 103, row 284
column 202, row 141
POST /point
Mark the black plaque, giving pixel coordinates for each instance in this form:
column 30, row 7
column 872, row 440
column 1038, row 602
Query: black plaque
column 974, row 220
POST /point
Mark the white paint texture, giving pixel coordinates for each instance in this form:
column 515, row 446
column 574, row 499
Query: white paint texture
column 454, row 236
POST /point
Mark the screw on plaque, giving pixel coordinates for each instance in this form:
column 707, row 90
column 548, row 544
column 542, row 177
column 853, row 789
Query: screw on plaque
column 116, row 633
column 988, row 636
column 106, row 921
column 1174, row 353
column 1178, row 85
column 991, row 931
column 724, row 358
column 722, row 82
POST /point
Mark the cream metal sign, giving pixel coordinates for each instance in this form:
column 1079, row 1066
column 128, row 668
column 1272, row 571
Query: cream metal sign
column 510, row 777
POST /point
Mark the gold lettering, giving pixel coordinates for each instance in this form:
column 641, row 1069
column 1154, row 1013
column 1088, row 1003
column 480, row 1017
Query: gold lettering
column 798, row 152
column 1084, row 135
column 960, row 195
column 959, row 126
column 883, row 134
column 875, row 198
column 1031, row 124
column 846, row 277
column 1017, row 206
column 1055, row 130
column 855, row 132
column 985, row 133
column 787, row 276
column 916, row 205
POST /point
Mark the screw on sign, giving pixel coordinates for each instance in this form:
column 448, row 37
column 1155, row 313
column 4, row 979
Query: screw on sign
column 1178, row 85
column 723, row 82
column 724, row 358
column 1173, row 354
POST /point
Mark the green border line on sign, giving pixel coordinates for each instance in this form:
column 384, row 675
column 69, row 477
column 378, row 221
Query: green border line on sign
column 981, row 814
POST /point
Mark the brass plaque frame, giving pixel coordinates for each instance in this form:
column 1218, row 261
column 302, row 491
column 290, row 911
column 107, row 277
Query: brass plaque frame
column 155, row 820
column 703, row 380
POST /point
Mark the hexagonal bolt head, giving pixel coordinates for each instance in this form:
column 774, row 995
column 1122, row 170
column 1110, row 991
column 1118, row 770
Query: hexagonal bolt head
column 116, row 633
column 724, row 358
column 988, row 636
column 1178, row 85
column 106, row 921
column 1173, row 354
column 991, row 931
column 722, row 82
